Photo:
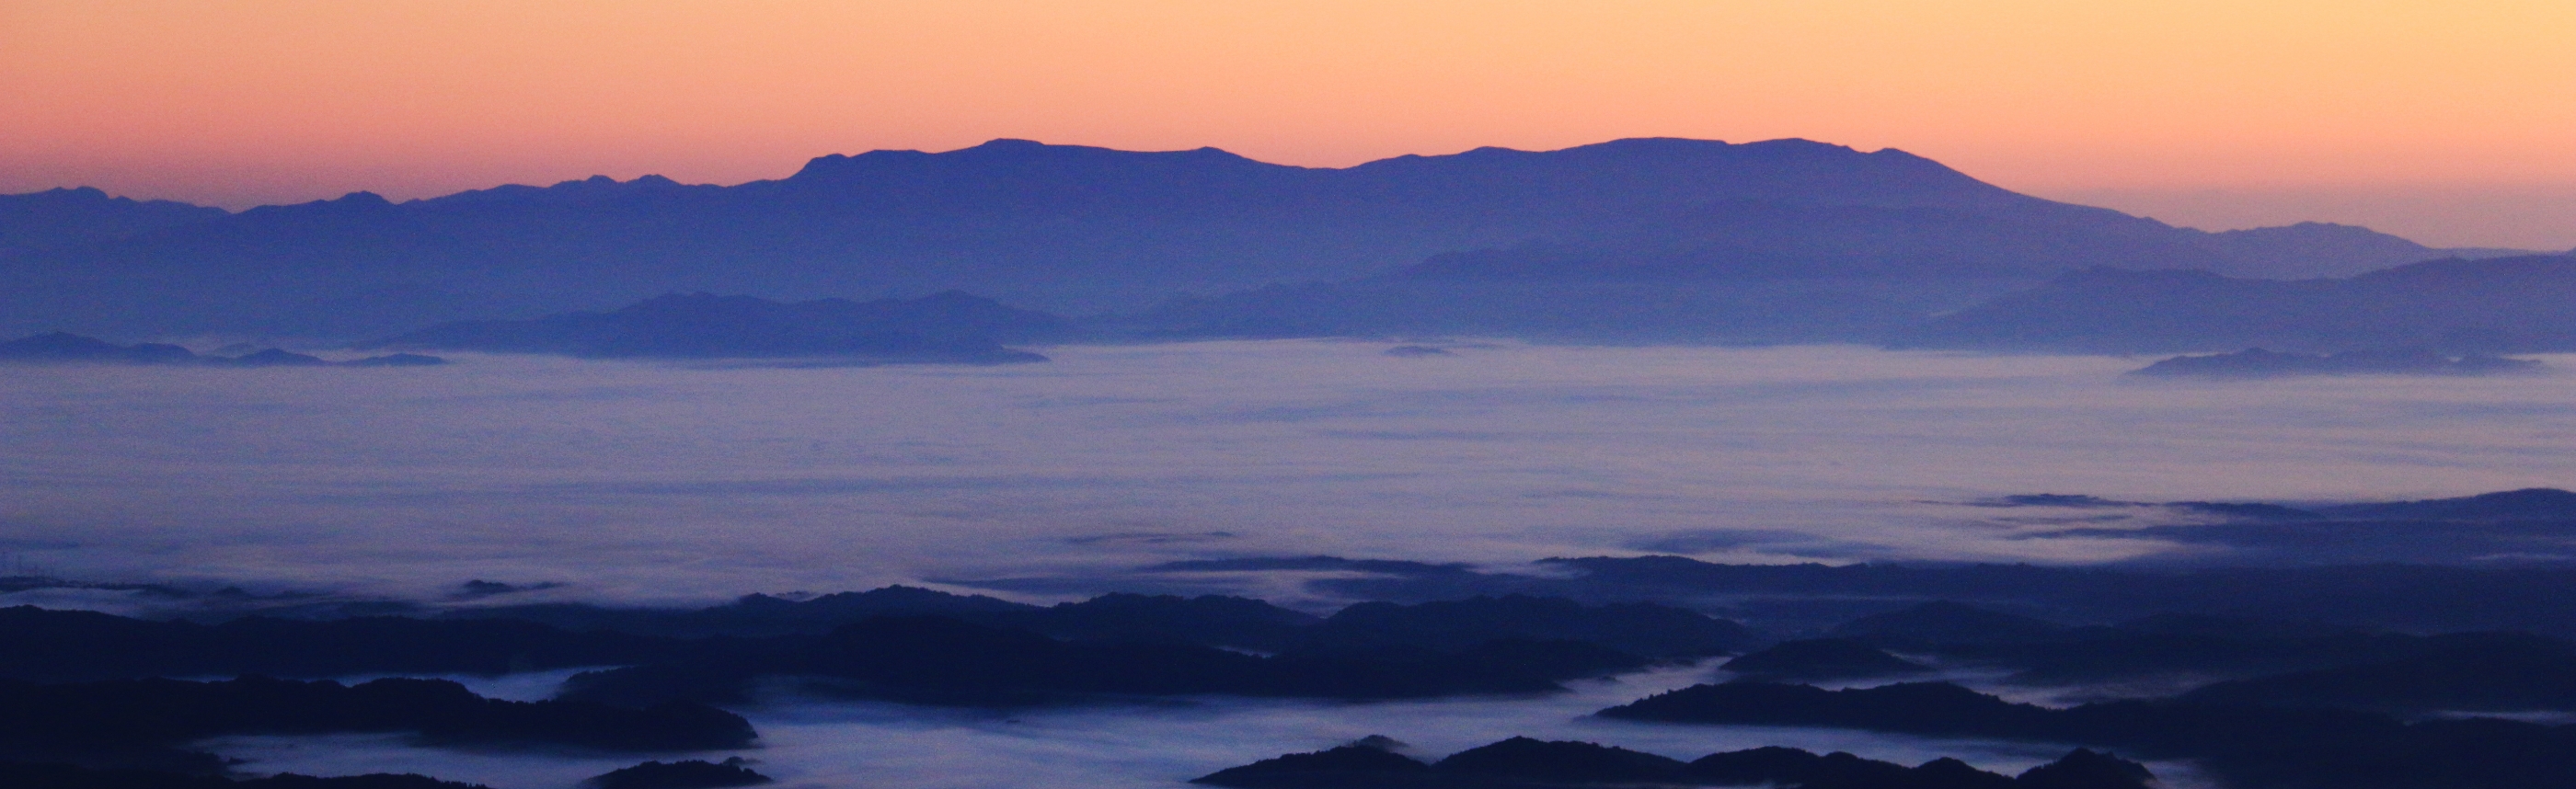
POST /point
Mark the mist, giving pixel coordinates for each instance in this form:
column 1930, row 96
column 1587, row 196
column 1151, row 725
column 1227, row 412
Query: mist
column 834, row 744
column 652, row 482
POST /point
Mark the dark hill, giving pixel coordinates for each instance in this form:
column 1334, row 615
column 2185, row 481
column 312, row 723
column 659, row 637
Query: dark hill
column 1945, row 622
column 2258, row 747
column 59, row 646
column 690, row 774
column 927, row 660
column 1823, row 659
column 2525, row 504
column 2487, row 672
column 2499, row 305
column 65, row 347
column 1562, row 762
column 757, row 614
column 1076, row 229
column 1646, row 629
column 21, row 775
column 148, row 720
column 945, row 327
column 1526, row 763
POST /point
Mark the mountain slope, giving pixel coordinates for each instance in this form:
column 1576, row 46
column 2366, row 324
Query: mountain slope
column 57, row 218
column 2498, row 305
column 1062, row 228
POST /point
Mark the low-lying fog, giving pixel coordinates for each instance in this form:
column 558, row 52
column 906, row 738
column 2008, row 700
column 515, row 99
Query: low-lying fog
column 871, row 744
column 650, row 481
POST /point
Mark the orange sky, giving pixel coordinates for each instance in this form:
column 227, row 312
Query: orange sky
column 2452, row 122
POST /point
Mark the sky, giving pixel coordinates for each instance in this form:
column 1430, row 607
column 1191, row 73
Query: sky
column 2448, row 122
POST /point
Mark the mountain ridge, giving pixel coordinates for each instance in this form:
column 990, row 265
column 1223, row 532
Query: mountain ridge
column 1068, row 229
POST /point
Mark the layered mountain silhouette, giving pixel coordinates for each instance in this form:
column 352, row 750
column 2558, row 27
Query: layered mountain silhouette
column 67, row 348
column 58, row 218
column 1081, row 230
column 2513, row 304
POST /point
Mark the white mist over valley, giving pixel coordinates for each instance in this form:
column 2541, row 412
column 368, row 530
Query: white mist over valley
column 670, row 482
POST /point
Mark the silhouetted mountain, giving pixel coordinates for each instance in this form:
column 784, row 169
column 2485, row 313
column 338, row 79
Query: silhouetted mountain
column 2515, row 304
column 756, row 615
column 1822, row 659
column 64, row 348
column 1945, row 622
column 1561, row 762
column 2534, row 525
column 691, row 774
column 58, row 218
column 119, row 723
column 1076, row 229
column 1208, row 620
column 1345, row 767
column 2259, row 363
column 1648, row 630
column 947, row 327
column 57, row 646
column 1570, row 309
column 2484, row 672
column 1525, row 763
column 1645, row 629
column 2525, row 504
column 20, row 775
column 928, row 660
column 2310, row 250
column 2482, row 595
column 2084, row 769
column 2244, row 746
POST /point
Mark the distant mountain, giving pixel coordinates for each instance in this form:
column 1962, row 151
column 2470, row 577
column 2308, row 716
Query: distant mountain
column 2260, row 363
column 66, row 348
column 2310, row 250
column 1079, row 230
column 2500, row 305
column 57, row 218
column 947, row 327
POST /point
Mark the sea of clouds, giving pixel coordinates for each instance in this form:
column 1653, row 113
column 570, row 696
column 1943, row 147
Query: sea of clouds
column 661, row 482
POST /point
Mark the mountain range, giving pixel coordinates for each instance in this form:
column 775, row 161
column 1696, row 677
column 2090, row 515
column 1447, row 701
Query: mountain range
column 1081, row 230
column 2496, row 305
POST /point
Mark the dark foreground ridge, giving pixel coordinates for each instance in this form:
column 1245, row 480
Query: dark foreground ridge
column 2250, row 747
column 23, row 775
column 64, row 646
column 64, row 348
column 2260, row 363
column 1822, row 659
column 1524, row 763
column 69, row 646
column 691, row 774
column 147, row 723
column 930, row 660
column 949, row 327
column 1644, row 629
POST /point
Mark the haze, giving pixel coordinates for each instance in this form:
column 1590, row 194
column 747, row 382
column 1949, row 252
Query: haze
column 2442, row 122
column 644, row 482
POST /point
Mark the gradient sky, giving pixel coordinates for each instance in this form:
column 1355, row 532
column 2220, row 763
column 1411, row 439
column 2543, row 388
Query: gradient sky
column 2450, row 122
